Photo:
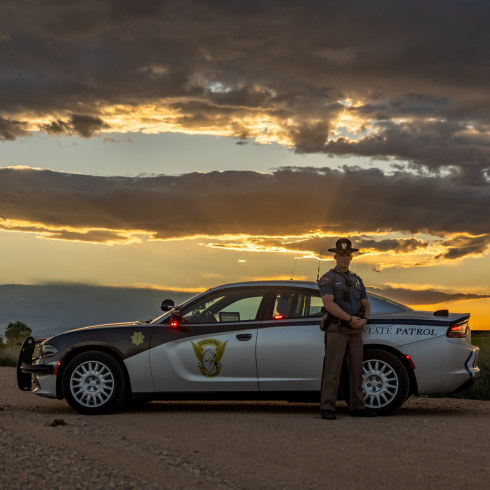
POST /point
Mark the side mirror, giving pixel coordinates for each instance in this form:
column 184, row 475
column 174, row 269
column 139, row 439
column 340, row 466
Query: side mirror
column 167, row 304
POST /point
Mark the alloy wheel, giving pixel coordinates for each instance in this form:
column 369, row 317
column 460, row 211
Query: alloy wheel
column 92, row 384
column 379, row 383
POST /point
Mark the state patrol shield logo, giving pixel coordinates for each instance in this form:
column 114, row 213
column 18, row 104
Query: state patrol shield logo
column 209, row 353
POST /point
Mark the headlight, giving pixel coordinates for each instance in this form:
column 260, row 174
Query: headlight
column 46, row 350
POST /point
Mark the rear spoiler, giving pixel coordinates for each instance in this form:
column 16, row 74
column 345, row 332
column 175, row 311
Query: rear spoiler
column 462, row 319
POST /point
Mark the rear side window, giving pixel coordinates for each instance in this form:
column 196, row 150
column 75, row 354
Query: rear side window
column 381, row 305
column 296, row 303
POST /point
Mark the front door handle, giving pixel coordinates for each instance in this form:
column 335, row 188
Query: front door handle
column 244, row 336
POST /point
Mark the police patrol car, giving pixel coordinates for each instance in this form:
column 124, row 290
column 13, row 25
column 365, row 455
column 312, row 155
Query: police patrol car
column 249, row 341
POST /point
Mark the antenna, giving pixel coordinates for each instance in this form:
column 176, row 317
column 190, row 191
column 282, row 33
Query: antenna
column 295, row 260
column 319, row 262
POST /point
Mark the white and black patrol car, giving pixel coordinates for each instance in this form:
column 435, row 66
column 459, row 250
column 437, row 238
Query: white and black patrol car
column 249, row 341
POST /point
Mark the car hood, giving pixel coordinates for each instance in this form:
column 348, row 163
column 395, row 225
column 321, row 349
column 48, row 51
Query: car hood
column 107, row 325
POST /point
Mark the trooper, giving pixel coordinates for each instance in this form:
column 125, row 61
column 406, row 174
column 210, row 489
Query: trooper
column 346, row 309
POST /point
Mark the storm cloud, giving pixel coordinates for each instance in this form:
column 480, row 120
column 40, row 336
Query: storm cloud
column 400, row 80
column 83, row 125
column 11, row 130
column 249, row 210
column 318, row 246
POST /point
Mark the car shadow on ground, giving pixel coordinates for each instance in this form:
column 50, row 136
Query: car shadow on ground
column 282, row 408
column 413, row 408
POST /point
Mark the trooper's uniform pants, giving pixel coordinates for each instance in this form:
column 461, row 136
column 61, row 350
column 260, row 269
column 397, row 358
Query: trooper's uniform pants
column 345, row 342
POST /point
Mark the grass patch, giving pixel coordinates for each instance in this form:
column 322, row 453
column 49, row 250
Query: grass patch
column 9, row 355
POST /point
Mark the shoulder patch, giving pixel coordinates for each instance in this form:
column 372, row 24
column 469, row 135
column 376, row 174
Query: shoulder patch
column 324, row 280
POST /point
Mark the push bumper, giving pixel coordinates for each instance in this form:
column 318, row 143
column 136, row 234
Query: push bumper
column 37, row 368
column 25, row 368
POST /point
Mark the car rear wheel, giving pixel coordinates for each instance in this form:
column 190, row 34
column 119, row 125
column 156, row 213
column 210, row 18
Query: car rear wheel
column 385, row 382
column 94, row 383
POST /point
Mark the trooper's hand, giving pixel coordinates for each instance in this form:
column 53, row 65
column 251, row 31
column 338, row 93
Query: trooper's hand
column 355, row 323
column 362, row 323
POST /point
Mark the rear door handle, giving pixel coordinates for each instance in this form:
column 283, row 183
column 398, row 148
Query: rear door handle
column 244, row 336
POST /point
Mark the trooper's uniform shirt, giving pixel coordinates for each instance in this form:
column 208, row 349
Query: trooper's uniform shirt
column 334, row 284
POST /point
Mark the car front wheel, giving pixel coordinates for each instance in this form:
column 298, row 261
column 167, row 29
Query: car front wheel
column 385, row 382
column 94, row 383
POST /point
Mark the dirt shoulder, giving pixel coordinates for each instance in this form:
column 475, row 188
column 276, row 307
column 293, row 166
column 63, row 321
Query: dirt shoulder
column 429, row 443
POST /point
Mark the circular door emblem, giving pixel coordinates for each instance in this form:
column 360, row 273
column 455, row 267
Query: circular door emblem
column 208, row 361
column 209, row 353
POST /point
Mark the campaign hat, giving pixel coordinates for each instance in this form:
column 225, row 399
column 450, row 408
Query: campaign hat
column 343, row 245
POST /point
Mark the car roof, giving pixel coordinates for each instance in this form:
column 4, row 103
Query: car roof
column 290, row 283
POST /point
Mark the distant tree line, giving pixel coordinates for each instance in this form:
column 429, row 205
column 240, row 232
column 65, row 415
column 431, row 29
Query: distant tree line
column 16, row 333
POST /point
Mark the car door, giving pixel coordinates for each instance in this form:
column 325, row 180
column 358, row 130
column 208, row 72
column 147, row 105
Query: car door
column 214, row 346
column 290, row 349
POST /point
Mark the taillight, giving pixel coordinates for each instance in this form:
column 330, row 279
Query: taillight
column 174, row 324
column 458, row 331
column 278, row 317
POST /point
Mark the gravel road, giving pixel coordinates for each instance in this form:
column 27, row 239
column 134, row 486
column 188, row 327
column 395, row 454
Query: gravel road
column 428, row 444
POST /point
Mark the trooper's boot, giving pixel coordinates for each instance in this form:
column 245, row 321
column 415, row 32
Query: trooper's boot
column 328, row 415
column 365, row 412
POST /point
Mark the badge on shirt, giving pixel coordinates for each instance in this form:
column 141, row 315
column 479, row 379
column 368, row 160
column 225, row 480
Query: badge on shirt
column 325, row 280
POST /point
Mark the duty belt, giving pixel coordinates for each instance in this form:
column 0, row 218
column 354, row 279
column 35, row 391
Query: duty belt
column 339, row 321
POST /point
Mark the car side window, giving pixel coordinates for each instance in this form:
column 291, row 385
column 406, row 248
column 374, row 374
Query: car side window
column 237, row 305
column 296, row 303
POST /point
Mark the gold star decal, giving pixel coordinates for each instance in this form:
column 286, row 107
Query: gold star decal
column 138, row 338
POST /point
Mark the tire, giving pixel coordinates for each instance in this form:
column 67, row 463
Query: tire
column 94, row 383
column 390, row 373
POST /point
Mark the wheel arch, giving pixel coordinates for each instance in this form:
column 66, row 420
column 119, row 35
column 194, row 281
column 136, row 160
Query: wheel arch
column 85, row 348
column 414, row 390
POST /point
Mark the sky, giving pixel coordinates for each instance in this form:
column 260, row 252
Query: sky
column 157, row 148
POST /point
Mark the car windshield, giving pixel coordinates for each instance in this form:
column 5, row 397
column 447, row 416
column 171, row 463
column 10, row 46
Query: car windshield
column 158, row 318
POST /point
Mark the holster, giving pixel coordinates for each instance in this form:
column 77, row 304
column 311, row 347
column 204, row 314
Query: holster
column 362, row 311
column 327, row 318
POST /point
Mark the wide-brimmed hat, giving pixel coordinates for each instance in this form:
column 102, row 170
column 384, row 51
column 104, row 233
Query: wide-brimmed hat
column 343, row 245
